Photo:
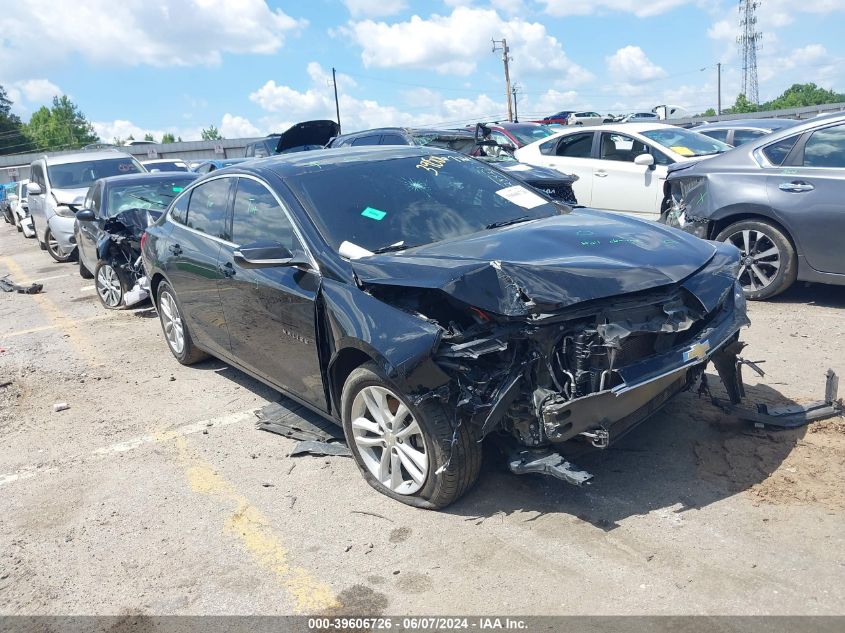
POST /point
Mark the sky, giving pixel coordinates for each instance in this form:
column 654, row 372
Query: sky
column 252, row 67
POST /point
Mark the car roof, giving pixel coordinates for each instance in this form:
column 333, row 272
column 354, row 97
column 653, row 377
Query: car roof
column 84, row 157
column 148, row 177
column 163, row 160
column 758, row 124
column 285, row 165
column 622, row 128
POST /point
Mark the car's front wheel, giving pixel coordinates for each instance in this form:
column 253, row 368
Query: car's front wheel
column 411, row 453
column 175, row 329
column 768, row 264
column 109, row 285
column 56, row 251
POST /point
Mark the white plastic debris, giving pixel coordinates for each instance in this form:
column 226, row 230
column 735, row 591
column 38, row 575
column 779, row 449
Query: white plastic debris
column 61, row 406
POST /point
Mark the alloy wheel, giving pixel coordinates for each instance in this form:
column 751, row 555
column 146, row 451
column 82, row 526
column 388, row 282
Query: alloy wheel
column 54, row 248
column 171, row 320
column 760, row 261
column 389, row 440
column 108, row 286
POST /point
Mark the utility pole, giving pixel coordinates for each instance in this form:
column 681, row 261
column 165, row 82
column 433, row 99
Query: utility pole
column 336, row 102
column 719, row 89
column 505, row 59
column 515, row 90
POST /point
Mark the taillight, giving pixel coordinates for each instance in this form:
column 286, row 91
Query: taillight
column 144, row 239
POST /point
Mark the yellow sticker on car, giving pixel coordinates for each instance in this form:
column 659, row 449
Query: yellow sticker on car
column 682, row 151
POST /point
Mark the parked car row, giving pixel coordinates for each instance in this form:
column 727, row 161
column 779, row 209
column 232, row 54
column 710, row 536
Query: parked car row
column 425, row 291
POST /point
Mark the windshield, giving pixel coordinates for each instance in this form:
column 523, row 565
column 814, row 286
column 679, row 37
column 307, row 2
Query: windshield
column 410, row 201
column 83, row 174
column 155, row 195
column 462, row 144
column 527, row 134
column 685, row 142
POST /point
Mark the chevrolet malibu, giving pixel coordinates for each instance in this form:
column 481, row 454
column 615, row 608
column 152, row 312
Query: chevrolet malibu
column 423, row 300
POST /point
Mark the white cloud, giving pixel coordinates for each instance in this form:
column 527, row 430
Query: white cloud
column 454, row 43
column 723, row 30
column 423, row 106
column 30, row 94
column 639, row 8
column 630, row 64
column 233, row 126
column 135, row 32
column 374, row 8
column 779, row 13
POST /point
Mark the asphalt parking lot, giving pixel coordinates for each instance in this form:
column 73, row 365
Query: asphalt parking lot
column 155, row 494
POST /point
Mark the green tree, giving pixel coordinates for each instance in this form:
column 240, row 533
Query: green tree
column 167, row 137
column 149, row 137
column 803, row 95
column 62, row 126
column 119, row 141
column 130, row 138
column 211, row 134
column 12, row 138
column 742, row 106
column 178, row 139
column 708, row 112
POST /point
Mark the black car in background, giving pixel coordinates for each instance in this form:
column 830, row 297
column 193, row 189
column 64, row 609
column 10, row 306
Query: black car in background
column 301, row 137
column 780, row 200
column 116, row 212
column 472, row 143
column 423, row 300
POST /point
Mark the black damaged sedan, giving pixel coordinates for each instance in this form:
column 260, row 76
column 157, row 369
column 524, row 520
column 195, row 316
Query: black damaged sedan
column 424, row 300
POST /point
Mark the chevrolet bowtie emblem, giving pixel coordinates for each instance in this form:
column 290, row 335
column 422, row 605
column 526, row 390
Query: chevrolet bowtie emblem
column 699, row 351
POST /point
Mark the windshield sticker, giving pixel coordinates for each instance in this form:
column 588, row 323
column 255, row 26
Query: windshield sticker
column 433, row 164
column 625, row 240
column 521, row 196
column 373, row 214
column 682, row 151
column 176, row 189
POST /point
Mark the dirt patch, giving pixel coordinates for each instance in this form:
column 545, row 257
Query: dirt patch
column 805, row 466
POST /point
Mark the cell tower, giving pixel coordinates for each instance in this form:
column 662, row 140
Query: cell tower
column 747, row 41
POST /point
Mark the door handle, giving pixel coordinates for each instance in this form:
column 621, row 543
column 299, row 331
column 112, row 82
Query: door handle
column 796, row 186
column 227, row 269
column 175, row 249
column 600, row 173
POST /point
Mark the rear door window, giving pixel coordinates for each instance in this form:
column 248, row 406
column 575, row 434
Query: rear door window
column 826, row 148
column 746, row 136
column 576, row 145
column 207, row 210
column 367, row 140
column 719, row 135
column 393, row 139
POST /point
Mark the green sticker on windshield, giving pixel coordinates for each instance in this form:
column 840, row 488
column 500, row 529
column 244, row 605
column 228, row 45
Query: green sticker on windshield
column 177, row 189
column 373, row 214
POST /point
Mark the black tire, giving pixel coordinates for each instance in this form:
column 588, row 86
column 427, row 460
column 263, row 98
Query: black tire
column 190, row 353
column 53, row 249
column 780, row 268
column 439, row 488
column 110, row 300
column 84, row 272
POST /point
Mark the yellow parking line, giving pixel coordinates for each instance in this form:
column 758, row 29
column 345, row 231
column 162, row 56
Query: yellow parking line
column 254, row 531
column 74, row 335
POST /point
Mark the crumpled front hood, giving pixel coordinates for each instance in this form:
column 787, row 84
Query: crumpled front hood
column 70, row 196
column 545, row 265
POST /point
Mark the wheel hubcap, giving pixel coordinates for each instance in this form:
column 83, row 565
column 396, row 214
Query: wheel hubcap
column 172, row 323
column 389, row 440
column 760, row 261
column 108, row 286
column 53, row 245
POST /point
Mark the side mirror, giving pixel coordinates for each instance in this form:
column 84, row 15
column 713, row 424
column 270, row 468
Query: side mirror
column 33, row 189
column 267, row 254
column 646, row 160
column 86, row 215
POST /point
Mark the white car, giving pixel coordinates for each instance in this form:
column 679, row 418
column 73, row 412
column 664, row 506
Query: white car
column 165, row 164
column 20, row 210
column 57, row 188
column 586, row 118
column 620, row 167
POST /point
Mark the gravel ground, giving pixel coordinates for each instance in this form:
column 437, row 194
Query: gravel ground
column 153, row 493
